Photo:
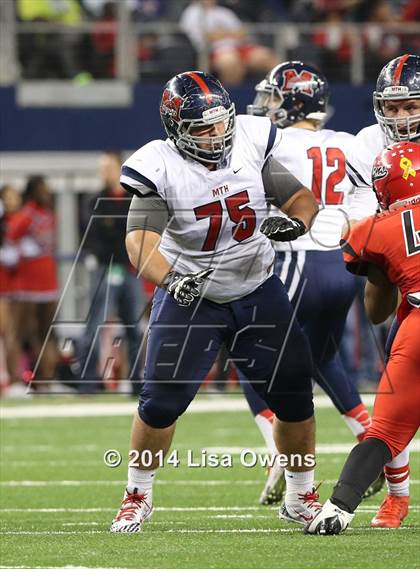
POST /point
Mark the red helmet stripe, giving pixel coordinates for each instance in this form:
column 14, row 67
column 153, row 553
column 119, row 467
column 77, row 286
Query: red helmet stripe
column 202, row 84
column 399, row 68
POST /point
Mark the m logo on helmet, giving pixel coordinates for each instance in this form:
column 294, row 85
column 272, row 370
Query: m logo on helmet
column 304, row 80
column 406, row 166
column 171, row 104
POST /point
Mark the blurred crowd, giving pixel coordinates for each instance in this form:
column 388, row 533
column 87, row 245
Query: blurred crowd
column 31, row 350
column 107, row 353
column 217, row 28
column 28, row 282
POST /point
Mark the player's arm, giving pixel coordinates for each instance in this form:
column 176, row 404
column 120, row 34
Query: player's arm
column 359, row 162
column 146, row 221
column 381, row 295
column 302, row 205
column 287, row 193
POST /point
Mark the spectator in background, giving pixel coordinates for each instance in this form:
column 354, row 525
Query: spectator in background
column 104, row 42
column 251, row 11
column 411, row 14
column 381, row 45
column 334, row 41
column 34, row 227
column 115, row 288
column 218, row 30
column 149, row 10
column 10, row 202
column 50, row 54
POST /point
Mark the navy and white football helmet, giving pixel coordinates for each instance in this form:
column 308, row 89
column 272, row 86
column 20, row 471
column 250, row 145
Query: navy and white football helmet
column 196, row 99
column 398, row 80
column 291, row 92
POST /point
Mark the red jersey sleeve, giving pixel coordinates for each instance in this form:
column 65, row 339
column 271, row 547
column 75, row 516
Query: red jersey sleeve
column 355, row 246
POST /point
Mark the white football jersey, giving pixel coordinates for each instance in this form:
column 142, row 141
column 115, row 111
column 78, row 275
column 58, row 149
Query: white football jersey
column 318, row 160
column 215, row 216
column 367, row 144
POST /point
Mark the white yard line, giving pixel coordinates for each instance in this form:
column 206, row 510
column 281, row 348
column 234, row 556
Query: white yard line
column 49, row 483
column 195, row 531
column 54, row 567
column 213, row 405
column 362, row 508
column 90, row 532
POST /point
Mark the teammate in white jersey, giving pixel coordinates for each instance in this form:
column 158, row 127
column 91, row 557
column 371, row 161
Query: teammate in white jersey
column 397, row 110
column 197, row 228
column 295, row 97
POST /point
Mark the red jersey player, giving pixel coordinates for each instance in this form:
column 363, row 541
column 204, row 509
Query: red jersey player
column 386, row 248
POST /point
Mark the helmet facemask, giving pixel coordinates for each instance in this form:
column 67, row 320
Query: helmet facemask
column 207, row 149
column 282, row 109
column 268, row 103
column 396, row 129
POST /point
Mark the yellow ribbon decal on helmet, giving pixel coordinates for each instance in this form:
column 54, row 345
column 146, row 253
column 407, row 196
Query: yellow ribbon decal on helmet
column 406, row 165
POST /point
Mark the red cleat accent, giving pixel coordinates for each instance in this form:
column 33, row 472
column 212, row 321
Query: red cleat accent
column 392, row 512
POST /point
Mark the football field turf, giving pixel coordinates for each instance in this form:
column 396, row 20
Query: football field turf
column 58, row 498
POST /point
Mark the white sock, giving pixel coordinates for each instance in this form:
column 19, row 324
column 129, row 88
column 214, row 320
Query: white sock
column 265, row 425
column 397, row 474
column 298, row 482
column 358, row 421
column 140, row 481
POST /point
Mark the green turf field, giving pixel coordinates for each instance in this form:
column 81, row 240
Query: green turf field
column 58, row 499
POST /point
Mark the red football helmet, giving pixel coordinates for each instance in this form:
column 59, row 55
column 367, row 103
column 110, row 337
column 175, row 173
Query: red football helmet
column 396, row 175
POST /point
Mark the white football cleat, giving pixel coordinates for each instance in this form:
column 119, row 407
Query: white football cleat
column 331, row 520
column 300, row 508
column 274, row 487
column 135, row 509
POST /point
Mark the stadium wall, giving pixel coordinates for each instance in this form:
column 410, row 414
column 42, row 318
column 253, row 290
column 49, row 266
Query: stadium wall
column 93, row 129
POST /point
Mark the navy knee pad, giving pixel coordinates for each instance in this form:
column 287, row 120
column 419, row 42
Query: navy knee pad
column 160, row 413
column 292, row 407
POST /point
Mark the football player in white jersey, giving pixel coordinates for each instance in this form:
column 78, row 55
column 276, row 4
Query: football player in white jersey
column 295, row 97
column 197, row 228
column 396, row 103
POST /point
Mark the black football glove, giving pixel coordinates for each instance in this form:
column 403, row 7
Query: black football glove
column 185, row 288
column 282, row 228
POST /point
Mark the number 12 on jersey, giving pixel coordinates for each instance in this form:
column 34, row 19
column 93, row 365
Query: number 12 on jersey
column 324, row 187
column 239, row 212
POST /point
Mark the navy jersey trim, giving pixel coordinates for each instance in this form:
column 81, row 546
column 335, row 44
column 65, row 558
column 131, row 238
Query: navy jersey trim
column 271, row 139
column 131, row 190
column 356, row 174
column 352, row 180
column 130, row 173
